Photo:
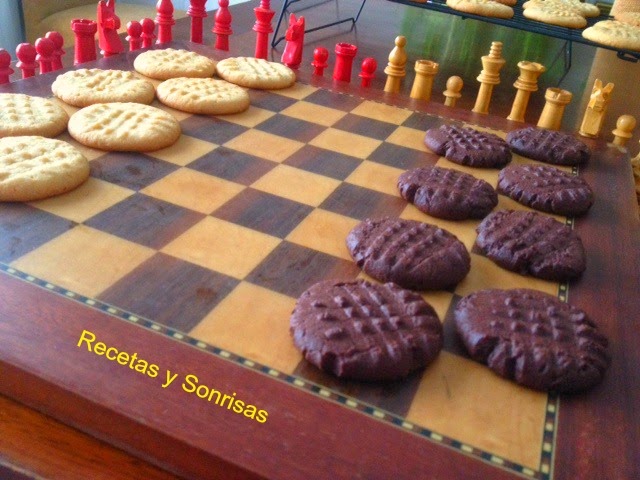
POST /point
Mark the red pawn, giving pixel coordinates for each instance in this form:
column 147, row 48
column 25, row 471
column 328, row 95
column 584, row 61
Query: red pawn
column 345, row 53
column 262, row 27
column 44, row 48
column 165, row 20
column 222, row 25
column 134, row 30
column 148, row 27
column 58, row 52
column 367, row 71
column 85, row 44
column 5, row 66
column 26, row 54
column 198, row 13
column 320, row 56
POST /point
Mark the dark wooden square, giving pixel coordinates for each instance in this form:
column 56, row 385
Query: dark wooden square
column 233, row 165
column 358, row 202
column 130, row 170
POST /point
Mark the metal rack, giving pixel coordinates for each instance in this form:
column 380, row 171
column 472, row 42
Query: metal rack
column 520, row 22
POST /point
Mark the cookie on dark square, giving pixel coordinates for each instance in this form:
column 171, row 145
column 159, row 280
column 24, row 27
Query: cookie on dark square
column 531, row 243
column 549, row 146
column 364, row 331
column 546, row 188
column 412, row 254
column 468, row 146
column 532, row 338
column 447, row 193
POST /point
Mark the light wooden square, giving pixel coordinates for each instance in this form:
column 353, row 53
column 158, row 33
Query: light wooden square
column 376, row 176
column 312, row 112
column 184, row 151
column 324, row 231
column 346, row 143
column 222, row 246
column 84, row 260
column 264, row 145
column 382, row 112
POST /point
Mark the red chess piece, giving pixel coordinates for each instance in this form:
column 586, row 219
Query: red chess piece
column 134, row 30
column 148, row 27
column 198, row 13
column 292, row 54
column 5, row 66
column 222, row 25
column 345, row 53
column 108, row 25
column 165, row 20
column 44, row 49
column 262, row 27
column 26, row 54
column 85, row 44
column 320, row 56
column 58, row 52
column 367, row 71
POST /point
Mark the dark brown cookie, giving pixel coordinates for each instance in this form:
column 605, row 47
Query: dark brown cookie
column 468, row 146
column 446, row 193
column 546, row 188
column 532, row 338
column 412, row 254
column 548, row 146
column 531, row 243
column 365, row 331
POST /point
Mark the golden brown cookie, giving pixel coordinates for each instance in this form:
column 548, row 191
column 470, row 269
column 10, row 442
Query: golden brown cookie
column 124, row 127
column 615, row 34
column 26, row 115
column 486, row 8
column 35, row 167
column 84, row 87
column 205, row 96
column 555, row 13
column 256, row 73
column 171, row 63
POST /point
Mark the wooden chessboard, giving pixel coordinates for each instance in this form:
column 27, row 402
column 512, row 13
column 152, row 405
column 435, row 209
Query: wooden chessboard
column 186, row 263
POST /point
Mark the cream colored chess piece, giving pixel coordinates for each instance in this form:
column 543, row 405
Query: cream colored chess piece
column 452, row 93
column 624, row 130
column 395, row 69
column 596, row 109
column 423, row 83
column 527, row 83
column 556, row 101
column 489, row 77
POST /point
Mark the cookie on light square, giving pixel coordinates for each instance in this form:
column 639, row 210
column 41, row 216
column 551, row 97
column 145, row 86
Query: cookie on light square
column 256, row 73
column 204, row 96
column 171, row 63
column 28, row 115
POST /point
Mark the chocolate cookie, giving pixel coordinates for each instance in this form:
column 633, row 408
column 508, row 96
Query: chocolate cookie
column 365, row 331
column 468, row 146
column 531, row 243
column 446, row 193
column 546, row 188
column 532, row 338
column 548, row 146
column 412, row 254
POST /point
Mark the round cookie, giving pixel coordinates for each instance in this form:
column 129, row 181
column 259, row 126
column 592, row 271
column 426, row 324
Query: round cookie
column 530, row 243
column 27, row 115
column 468, row 146
column 124, row 127
column 532, row 338
column 549, row 146
column 485, row 8
column 556, row 13
column 172, row 63
column 205, row 96
column 84, row 87
column 256, row 73
column 35, row 167
column 446, row 193
column 615, row 34
column 411, row 254
column 546, row 188
column 365, row 331
column 585, row 9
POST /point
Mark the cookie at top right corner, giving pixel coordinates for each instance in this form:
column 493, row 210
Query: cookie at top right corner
column 549, row 146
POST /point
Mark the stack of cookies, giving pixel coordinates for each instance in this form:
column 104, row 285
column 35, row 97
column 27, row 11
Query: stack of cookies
column 385, row 331
column 115, row 114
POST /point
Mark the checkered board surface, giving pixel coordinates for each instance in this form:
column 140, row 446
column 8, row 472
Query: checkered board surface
column 212, row 240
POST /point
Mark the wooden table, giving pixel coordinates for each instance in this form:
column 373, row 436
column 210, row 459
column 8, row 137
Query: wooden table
column 315, row 431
